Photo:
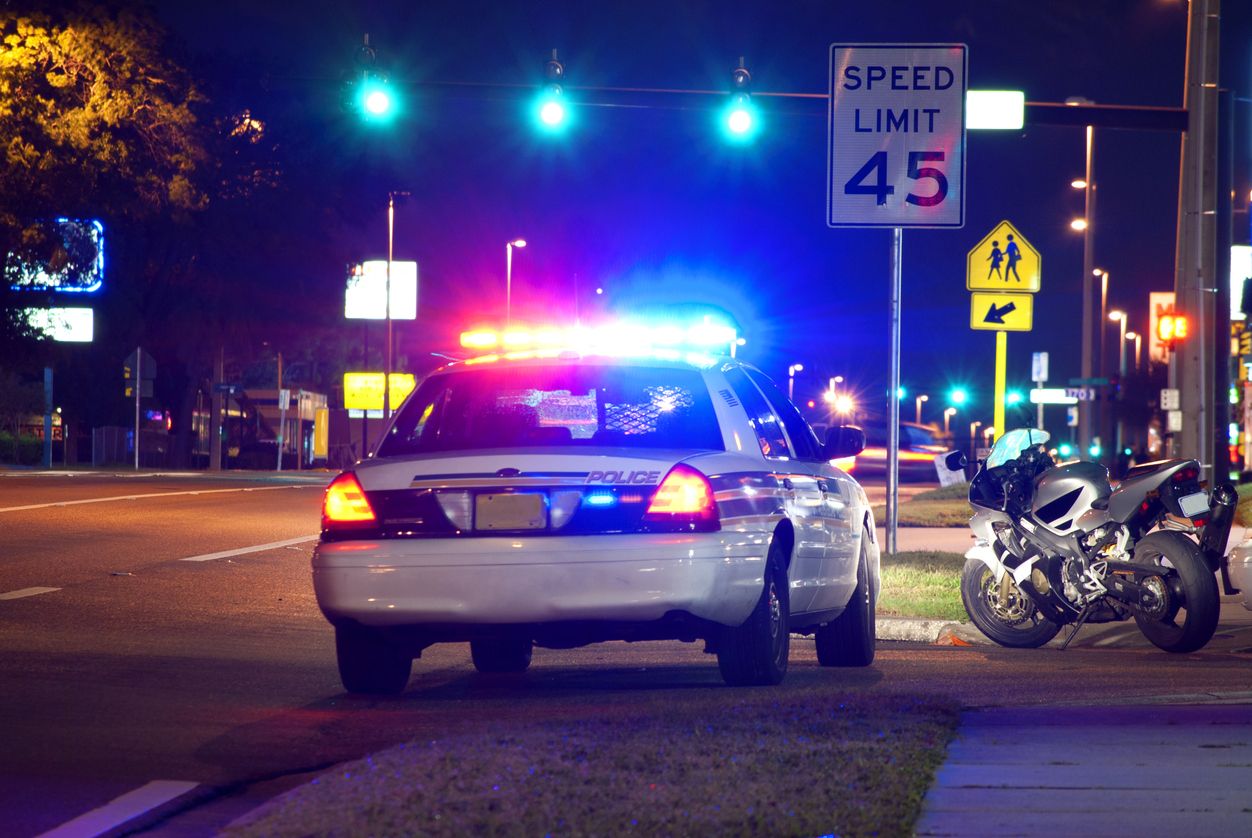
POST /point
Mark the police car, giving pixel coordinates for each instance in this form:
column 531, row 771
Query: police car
column 560, row 497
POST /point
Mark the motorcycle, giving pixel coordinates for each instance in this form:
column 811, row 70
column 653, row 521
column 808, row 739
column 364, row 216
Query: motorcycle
column 1057, row 545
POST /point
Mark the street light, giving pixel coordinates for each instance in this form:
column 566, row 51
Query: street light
column 1120, row 317
column 391, row 236
column 918, row 401
column 1138, row 339
column 508, row 278
column 947, row 419
column 973, row 439
column 791, row 380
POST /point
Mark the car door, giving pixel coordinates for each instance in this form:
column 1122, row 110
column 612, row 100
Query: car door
column 835, row 504
column 802, row 494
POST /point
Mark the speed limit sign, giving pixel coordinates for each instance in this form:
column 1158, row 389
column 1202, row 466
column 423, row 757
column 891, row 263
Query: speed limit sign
column 896, row 151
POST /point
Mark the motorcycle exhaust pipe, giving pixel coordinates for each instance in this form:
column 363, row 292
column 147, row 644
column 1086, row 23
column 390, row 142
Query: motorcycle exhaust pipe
column 1222, row 503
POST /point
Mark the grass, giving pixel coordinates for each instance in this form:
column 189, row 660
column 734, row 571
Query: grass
column 947, row 506
column 750, row 762
column 922, row 584
column 1243, row 512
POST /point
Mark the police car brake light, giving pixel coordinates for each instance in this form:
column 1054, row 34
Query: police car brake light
column 345, row 504
column 684, row 494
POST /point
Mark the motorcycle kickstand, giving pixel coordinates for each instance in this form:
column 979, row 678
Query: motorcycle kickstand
column 1082, row 618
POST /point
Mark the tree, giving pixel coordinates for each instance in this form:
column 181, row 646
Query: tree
column 94, row 122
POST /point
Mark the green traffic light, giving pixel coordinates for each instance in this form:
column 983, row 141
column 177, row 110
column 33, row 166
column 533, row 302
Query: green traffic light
column 958, row 396
column 376, row 100
column 1013, row 397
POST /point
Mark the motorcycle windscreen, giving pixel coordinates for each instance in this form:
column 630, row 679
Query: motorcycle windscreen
column 1010, row 446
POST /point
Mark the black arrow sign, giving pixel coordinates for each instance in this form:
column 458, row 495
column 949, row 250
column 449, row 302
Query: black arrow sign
column 996, row 315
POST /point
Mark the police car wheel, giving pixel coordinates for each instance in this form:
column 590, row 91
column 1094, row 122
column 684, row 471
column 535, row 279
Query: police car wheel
column 849, row 639
column 369, row 664
column 501, row 654
column 756, row 652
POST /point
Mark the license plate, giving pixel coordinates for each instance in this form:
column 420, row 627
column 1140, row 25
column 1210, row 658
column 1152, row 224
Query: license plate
column 1194, row 505
column 512, row 511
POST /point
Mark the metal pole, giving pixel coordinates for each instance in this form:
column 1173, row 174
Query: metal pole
column 282, row 414
column 391, row 224
column 893, row 383
column 508, row 283
column 1085, row 410
column 138, row 390
column 47, row 418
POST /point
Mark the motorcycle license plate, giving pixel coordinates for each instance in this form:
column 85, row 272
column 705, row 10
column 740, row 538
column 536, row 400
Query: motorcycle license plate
column 1194, row 505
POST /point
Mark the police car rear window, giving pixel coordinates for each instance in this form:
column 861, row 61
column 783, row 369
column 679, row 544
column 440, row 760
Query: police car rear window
column 561, row 406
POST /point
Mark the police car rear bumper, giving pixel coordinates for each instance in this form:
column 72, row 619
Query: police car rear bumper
column 638, row 577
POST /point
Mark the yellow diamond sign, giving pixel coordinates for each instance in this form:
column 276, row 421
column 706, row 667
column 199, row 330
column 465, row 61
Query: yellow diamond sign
column 1003, row 261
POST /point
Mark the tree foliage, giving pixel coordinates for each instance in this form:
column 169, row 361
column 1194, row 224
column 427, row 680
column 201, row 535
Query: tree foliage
column 95, row 122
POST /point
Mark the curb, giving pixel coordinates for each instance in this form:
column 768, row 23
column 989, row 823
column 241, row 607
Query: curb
column 943, row 632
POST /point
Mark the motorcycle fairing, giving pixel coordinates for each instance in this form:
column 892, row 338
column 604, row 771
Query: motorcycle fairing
column 1139, row 482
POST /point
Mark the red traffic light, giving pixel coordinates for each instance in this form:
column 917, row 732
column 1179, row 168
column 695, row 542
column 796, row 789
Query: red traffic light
column 1172, row 327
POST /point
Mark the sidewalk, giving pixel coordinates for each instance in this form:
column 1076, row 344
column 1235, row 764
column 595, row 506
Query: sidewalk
column 1134, row 771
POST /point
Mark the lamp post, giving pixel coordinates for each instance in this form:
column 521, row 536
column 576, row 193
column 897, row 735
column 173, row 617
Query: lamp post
column 508, row 278
column 1087, row 184
column 918, row 402
column 792, row 369
column 391, row 236
column 1138, row 339
column 973, row 440
column 1120, row 317
column 948, row 413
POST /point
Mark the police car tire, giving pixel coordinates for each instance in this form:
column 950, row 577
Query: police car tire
column 370, row 665
column 849, row 639
column 755, row 653
column 501, row 654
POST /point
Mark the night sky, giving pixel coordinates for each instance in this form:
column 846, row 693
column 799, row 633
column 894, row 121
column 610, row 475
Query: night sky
column 651, row 205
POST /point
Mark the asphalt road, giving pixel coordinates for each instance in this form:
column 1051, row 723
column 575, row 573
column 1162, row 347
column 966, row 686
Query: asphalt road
column 138, row 669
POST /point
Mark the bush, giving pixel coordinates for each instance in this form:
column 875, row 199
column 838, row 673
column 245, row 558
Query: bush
column 29, row 450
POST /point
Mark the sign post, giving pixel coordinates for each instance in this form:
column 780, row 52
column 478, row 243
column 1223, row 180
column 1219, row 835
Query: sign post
column 895, row 159
column 1003, row 274
column 138, row 371
column 1039, row 375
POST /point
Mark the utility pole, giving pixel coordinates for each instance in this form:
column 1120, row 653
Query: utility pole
column 1195, row 274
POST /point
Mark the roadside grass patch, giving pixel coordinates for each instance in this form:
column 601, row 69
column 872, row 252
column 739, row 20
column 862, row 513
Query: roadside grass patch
column 1243, row 512
column 725, row 762
column 922, row 584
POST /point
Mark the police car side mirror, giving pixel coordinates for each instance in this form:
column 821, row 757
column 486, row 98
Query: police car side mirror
column 955, row 460
column 844, row 441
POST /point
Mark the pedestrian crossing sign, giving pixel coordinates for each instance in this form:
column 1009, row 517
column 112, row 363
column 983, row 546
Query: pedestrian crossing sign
column 1003, row 261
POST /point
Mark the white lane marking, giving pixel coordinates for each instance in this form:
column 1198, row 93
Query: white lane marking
column 119, row 810
column 149, row 495
column 257, row 548
column 24, row 592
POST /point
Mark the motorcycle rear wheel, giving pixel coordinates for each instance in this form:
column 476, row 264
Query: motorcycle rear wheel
column 1015, row 623
column 1191, row 618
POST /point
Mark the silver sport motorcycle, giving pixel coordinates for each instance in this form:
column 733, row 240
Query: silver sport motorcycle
column 1058, row 546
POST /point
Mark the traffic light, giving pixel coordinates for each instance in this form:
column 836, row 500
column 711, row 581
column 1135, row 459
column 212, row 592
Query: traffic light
column 551, row 110
column 1013, row 397
column 957, row 396
column 1171, row 328
column 370, row 93
column 740, row 119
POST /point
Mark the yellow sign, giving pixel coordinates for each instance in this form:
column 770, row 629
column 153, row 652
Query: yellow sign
column 1001, row 312
column 364, row 390
column 1003, row 261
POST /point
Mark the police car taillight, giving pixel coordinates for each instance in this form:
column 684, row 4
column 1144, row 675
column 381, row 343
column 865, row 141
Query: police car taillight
column 345, row 505
column 684, row 497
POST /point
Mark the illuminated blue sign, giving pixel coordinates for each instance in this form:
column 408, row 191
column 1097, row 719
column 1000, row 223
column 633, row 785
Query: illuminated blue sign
column 70, row 261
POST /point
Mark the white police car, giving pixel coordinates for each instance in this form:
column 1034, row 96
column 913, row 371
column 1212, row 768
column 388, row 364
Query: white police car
column 560, row 498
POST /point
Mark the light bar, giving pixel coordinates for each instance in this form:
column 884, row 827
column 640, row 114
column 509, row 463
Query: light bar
column 624, row 338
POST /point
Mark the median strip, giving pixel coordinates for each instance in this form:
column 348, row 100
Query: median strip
column 257, row 548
